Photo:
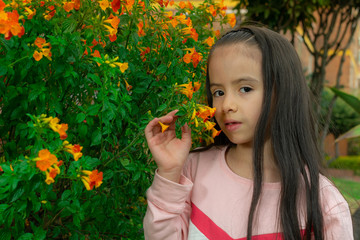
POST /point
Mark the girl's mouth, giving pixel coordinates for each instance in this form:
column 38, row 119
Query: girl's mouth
column 232, row 126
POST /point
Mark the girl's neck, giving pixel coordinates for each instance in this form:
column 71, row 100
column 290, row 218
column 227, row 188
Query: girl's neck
column 239, row 158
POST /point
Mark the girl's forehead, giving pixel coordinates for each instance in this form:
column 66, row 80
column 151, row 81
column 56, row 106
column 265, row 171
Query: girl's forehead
column 232, row 63
column 247, row 50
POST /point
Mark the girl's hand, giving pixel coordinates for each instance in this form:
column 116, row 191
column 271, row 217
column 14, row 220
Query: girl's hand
column 169, row 152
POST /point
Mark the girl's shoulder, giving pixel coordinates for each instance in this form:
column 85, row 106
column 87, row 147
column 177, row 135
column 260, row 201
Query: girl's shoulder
column 206, row 156
column 330, row 195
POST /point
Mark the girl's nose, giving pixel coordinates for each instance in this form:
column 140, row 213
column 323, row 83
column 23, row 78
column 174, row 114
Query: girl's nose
column 229, row 105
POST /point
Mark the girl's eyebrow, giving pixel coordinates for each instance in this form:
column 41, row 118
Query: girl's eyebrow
column 235, row 82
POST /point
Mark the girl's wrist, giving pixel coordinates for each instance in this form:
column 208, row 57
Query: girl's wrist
column 172, row 175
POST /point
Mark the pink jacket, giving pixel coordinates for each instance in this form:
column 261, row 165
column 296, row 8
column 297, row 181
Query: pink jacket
column 212, row 202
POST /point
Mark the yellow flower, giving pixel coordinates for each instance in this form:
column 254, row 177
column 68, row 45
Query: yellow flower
column 193, row 114
column 122, row 66
column 51, row 174
column 104, row 4
column 59, row 128
column 163, row 126
column 75, row 150
column 209, row 125
column 128, row 86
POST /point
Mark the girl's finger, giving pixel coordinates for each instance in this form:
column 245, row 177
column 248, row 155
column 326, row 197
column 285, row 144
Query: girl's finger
column 150, row 129
column 168, row 118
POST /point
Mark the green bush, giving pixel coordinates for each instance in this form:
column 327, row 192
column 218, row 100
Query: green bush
column 79, row 81
column 347, row 162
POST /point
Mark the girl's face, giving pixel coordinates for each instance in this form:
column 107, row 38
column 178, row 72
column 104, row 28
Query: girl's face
column 236, row 85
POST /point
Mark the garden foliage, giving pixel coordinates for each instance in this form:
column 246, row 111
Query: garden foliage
column 79, row 81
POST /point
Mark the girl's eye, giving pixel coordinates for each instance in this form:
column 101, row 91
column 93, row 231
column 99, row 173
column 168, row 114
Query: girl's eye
column 245, row 89
column 218, row 93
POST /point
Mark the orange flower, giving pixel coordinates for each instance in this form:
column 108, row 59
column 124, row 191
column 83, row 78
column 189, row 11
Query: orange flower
column 37, row 55
column 45, row 160
column 173, row 22
column 209, row 41
column 51, row 173
column 30, row 12
column 206, row 112
column 189, row 5
column 114, row 21
column 197, row 86
column 231, row 19
column 68, row 6
column 9, row 24
column 2, row 5
column 112, row 38
column 115, row 5
column 39, row 42
column 141, row 32
column 96, row 53
column 186, row 89
column 182, row 5
column 91, row 179
column 192, row 32
column 129, row 4
column 75, row 150
column 77, row 4
column 215, row 132
column 193, row 56
column 43, row 51
column 196, row 58
column 212, row 10
column 163, row 126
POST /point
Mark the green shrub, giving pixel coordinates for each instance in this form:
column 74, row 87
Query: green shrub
column 347, row 162
column 86, row 76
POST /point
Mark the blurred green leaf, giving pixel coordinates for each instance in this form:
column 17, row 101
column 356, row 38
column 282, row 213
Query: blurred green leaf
column 349, row 99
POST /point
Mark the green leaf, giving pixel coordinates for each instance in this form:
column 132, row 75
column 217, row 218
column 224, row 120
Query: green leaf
column 69, row 25
column 95, row 78
column 92, row 162
column 39, row 234
column 26, row 236
column 5, row 235
column 161, row 69
column 3, row 70
column 82, row 130
column 162, row 107
column 349, row 99
column 3, row 207
column 66, row 195
column 93, row 110
column 352, row 133
column 17, row 194
column 80, row 117
column 125, row 162
column 96, row 138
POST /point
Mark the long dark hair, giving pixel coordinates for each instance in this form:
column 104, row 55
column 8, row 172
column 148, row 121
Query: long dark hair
column 286, row 119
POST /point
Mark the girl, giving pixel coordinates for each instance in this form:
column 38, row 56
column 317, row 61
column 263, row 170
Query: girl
column 261, row 179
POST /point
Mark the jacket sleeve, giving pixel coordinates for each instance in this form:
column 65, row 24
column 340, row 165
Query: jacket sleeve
column 337, row 216
column 169, row 209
